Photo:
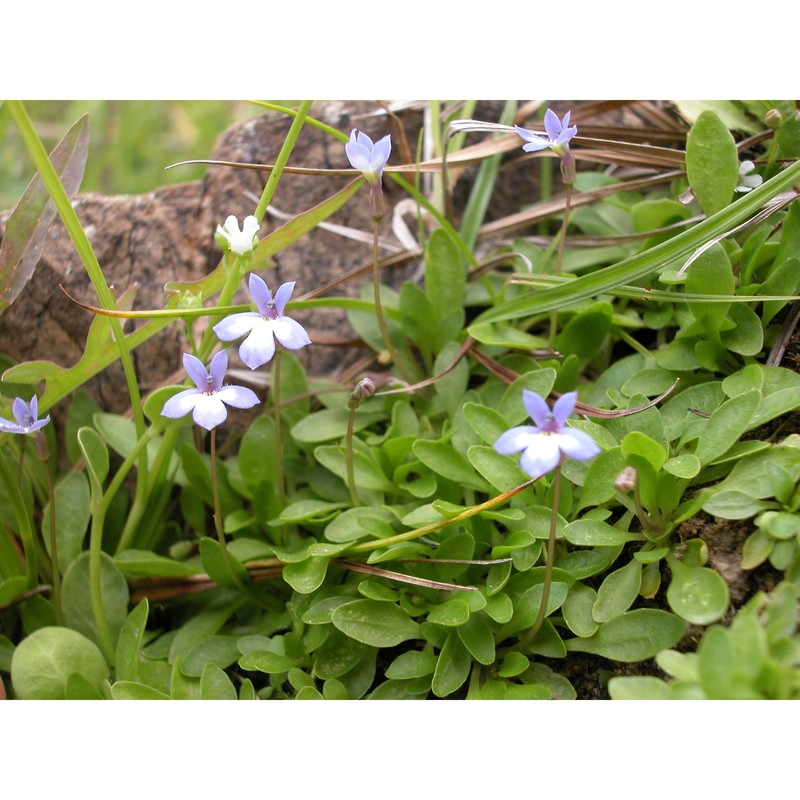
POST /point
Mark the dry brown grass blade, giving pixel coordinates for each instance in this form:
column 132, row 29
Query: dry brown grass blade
column 548, row 208
column 509, row 376
column 356, row 566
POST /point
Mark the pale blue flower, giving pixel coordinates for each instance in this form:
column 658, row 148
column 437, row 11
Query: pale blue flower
column 546, row 443
column 263, row 326
column 559, row 134
column 366, row 157
column 238, row 241
column 207, row 402
column 27, row 417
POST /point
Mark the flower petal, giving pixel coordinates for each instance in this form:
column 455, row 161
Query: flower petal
column 181, row 404
column 563, row 407
column 209, row 411
column 290, row 333
column 236, row 325
column 536, row 407
column 516, row 439
column 250, row 227
column 541, row 457
column 259, row 346
column 238, row 396
column 577, row 444
column 21, row 411
column 217, row 370
column 282, row 296
column 552, row 124
column 196, row 370
column 260, row 293
column 380, row 154
column 359, row 156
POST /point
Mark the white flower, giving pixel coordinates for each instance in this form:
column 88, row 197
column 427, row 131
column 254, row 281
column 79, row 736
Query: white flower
column 748, row 182
column 239, row 241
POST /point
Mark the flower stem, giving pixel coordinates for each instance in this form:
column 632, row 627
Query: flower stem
column 351, row 477
column 548, row 570
column 376, row 285
column 218, row 515
column 562, row 238
column 276, row 408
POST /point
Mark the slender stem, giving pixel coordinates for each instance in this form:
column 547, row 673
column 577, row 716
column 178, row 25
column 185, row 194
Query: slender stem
column 351, row 477
column 376, row 285
column 218, row 514
column 548, row 570
column 237, row 269
column 54, row 546
column 562, row 238
column 281, row 160
column 138, row 508
column 276, row 408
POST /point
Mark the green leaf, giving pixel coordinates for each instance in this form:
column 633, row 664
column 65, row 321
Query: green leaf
column 444, row 460
column 26, row 228
column 412, row 664
column 712, row 163
column 725, row 426
column 617, row 592
column 43, row 662
column 710, row 274
column 452, row 667
column 144, row 563
column 216, row 685
column 221, row 650
column 632, row 636
column 476, row 635
column 129, row 644
column 72, row 517
column 94, row 450
column 331, row 423
column 337, row 655
column 256, row 459
column 502, row 472
column 368, row 474
column 77, row 603
column 698, row 594
column 306, row 576
column 585, row 334
column 445, row 273
column 451, row 613
column 200, row 627
column 594, row 533
column 130, row 690
column 485, row 421
column 643, row 687
column 266, row 661
column 577, row 610
column 375, row 623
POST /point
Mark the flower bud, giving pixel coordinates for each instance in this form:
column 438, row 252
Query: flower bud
column 626, row 480
column 363, row 391
column 773, row 118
